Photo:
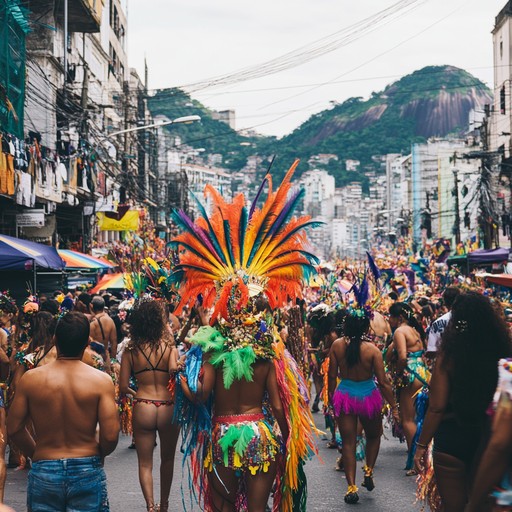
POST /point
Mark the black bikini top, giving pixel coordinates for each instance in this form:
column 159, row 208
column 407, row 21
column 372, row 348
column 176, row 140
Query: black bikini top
column 151, row 367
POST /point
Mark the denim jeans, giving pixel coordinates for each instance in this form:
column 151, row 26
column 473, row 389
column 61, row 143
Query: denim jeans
column 67, row 485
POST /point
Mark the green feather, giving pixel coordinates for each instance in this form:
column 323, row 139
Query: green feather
column 245, row 437
column 228, row 440
column 209, row 339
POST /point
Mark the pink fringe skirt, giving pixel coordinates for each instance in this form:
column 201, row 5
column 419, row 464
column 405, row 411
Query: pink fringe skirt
column 360, row 398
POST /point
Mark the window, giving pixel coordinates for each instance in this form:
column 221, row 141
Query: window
column 501, row 48
column 502, row 100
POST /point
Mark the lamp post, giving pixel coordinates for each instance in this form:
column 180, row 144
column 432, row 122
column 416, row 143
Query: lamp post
column 178, row 120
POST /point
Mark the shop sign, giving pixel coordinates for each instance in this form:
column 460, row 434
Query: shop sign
column 30, row 219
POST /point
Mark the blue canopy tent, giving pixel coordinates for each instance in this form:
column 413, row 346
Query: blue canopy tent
column 17, row 254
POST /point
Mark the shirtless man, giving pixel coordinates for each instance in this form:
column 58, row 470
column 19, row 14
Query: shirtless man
column 103, row 329
column 66, row 400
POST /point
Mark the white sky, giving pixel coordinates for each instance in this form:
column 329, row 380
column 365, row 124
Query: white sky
column 193, row 40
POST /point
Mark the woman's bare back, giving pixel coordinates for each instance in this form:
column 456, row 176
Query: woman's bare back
column 364, row 369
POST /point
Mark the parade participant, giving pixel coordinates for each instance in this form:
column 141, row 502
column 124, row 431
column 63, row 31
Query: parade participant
column 494, row 470
column 359, row 363
column 411, row 374
column 148, row 356
column 380, row 330
column 66, row 401
column 41, row 349
column 438, row 326
column 8, row 311
column 322, row 334
column 245, row 263
column 82, row 304
column 461, row 390
column 103, row 331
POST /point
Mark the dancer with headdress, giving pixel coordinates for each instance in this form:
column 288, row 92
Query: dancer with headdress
column 241, row 399
column 359, row 362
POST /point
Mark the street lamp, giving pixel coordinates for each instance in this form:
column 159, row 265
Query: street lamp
column 178, row 120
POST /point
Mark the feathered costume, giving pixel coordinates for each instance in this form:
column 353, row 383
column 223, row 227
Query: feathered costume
column 227, row 260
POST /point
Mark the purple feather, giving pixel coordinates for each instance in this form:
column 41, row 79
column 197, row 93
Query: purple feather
column 181, row 218
column 256, row 199
column 373, row 267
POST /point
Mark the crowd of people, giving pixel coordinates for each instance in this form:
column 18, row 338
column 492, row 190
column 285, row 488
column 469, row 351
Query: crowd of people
column 365, row 359
column 235, row 362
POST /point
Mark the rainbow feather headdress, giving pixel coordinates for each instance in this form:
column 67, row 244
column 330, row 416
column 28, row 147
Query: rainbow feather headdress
column 236, row 253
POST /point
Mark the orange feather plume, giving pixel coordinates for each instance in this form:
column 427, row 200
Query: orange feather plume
column 229, row 255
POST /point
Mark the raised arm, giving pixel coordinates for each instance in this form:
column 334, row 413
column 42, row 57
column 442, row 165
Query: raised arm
column 17, row 419
column 108, row 417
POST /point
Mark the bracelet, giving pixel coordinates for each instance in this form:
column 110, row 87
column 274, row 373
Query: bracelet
column 424, row 446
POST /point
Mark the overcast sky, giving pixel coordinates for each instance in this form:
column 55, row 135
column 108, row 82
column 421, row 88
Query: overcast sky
column 186, row 42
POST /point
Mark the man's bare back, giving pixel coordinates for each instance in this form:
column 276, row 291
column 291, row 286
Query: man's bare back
column 66, row 400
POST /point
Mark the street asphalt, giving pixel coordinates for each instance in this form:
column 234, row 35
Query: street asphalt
column 394, row 491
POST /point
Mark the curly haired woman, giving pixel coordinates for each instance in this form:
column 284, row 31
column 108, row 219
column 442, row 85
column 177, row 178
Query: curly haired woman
column 148, row 356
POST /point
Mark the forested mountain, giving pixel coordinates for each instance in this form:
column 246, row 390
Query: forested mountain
column 433, row 101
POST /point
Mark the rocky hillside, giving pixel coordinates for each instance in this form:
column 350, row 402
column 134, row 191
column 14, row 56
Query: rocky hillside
column 433, row 101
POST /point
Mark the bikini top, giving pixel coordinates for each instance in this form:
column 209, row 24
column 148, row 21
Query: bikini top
column 151, row 367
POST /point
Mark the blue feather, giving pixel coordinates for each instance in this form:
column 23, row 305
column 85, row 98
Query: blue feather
column 287, row 211
column 243, row 229
column 211, row 231
column 229, row 243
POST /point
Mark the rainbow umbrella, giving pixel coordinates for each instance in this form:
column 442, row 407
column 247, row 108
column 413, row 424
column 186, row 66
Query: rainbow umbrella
column 110, row 282
column 75, row 259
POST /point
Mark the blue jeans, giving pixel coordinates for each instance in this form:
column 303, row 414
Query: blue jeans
column 67, row 485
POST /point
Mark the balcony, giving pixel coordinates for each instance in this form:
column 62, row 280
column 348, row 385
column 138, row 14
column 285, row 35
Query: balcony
column 83, row 15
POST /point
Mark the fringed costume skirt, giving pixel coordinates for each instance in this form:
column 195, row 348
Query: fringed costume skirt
column 360, row 398
column 244, row 442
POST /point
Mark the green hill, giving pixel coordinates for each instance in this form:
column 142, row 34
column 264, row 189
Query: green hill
column 434, row 101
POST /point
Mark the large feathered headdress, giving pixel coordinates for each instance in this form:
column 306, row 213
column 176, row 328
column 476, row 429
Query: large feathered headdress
column 237, row 253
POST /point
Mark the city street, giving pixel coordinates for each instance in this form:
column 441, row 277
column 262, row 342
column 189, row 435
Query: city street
column 393, row 492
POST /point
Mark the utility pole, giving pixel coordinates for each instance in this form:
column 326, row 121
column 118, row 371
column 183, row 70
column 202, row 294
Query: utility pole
column 456, row 226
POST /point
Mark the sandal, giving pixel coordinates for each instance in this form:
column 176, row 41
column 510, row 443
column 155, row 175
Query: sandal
column 351, row 497
column 332, row 444
column 339, row 464
column 368, row 478
column 411, row 472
